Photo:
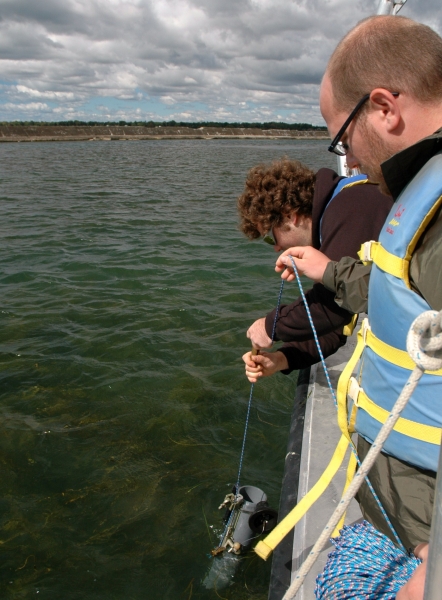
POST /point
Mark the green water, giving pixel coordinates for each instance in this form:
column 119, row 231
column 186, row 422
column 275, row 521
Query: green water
column 126, row 291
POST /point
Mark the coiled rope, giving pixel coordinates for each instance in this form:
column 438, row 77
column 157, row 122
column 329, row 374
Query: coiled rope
column 423, row 340
column 349, row 574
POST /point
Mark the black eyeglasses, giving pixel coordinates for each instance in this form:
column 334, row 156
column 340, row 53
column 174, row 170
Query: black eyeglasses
column 269, row 238
column 337, row 146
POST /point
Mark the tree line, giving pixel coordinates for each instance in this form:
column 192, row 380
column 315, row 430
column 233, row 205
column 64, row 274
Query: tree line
column 193, row 125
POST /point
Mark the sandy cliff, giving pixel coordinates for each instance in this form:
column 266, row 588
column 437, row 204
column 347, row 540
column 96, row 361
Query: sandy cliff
column 48, row 133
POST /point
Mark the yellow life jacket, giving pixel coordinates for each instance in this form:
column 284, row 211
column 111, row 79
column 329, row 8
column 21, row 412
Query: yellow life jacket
column 384, row 364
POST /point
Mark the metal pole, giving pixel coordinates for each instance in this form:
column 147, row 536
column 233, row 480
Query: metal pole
column 433, row 580
column 390, row 7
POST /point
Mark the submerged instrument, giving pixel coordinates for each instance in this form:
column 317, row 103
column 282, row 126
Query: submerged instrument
column 247, row 516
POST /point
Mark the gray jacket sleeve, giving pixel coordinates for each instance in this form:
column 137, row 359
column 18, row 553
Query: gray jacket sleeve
column 348, row 278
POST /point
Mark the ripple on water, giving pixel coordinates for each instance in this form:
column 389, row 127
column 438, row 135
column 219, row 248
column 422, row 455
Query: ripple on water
column 126, row 292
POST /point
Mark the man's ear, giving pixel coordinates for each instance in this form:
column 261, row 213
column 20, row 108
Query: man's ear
column 385, row 109
column 294, row 218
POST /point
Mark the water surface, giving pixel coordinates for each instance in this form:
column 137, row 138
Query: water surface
column 126, row 291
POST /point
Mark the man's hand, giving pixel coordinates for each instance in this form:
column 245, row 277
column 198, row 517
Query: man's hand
column 264, row 364
column 414, row 588
column 257, row 334
column 308, row 261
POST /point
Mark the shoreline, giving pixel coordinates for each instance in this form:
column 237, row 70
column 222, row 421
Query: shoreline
column 47, row 133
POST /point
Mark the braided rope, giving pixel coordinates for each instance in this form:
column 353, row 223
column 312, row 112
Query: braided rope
column 251, row 394
column 423, row 340
column 332, row 391
column 365, row 564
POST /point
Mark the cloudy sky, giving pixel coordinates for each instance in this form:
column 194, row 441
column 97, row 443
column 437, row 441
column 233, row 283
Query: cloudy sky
column 190, row 60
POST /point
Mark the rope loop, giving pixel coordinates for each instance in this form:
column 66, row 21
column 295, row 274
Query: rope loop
column 424, row 341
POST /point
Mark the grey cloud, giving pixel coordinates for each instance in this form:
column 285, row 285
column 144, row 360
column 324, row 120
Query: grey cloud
column 19, row 42
column 54, row 15
column 264, row 56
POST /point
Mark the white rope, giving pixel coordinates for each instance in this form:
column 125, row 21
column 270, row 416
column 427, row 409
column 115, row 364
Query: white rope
column 423, row 339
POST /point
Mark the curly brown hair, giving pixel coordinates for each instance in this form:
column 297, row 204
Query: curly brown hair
column 272, row 192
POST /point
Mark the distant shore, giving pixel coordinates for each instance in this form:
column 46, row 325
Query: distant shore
column 47, row 133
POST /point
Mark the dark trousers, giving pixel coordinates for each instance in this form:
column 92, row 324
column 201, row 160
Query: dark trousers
column 406, row 493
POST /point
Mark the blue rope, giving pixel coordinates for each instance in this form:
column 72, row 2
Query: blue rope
column 251, row 392
column 375, row 496
column 249, row 405
column 244, row 438
column 365, row 565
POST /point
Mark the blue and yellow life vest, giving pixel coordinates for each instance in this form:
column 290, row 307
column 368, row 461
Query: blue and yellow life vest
column 384, row 363
column 392, row 306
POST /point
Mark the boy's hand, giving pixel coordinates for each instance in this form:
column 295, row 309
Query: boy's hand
column 309, row 262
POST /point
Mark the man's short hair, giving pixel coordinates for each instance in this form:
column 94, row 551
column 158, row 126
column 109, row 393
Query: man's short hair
column 272, row 192
column 390, row 52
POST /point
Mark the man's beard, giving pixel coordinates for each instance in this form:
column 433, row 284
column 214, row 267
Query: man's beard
column 380, row 152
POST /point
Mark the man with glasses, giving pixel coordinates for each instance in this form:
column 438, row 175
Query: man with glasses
column 381, row 97
column 286, row 203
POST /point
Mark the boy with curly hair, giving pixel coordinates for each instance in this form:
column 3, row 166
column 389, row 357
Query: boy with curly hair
column 288, row 204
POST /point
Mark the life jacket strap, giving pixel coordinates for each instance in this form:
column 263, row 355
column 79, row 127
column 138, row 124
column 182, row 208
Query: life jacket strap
column 265, row 547
column 388, row 262
column 349, row 328
column 392, row 354
column 351, row 470
column 412, row 429
column 342, row 387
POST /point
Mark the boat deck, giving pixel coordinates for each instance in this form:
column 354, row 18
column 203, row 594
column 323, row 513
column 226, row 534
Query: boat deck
column 308, row 454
